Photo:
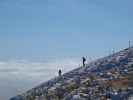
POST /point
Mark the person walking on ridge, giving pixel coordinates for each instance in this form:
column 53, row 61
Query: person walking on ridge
column 84, row 60
column 60, row 72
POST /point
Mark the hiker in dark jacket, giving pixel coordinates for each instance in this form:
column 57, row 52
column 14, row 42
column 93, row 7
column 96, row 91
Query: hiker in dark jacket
column 59, row 72
column 84, row 60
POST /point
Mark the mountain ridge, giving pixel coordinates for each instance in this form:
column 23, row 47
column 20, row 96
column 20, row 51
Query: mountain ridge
column 70, row 84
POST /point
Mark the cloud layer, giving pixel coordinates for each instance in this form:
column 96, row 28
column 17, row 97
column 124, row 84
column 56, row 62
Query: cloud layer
column 16, row 76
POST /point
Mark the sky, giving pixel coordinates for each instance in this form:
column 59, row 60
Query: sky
column 57, row 33
column 32, row 29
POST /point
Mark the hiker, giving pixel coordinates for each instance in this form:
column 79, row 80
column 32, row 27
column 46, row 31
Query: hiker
column 84, row 60
column 59, row 72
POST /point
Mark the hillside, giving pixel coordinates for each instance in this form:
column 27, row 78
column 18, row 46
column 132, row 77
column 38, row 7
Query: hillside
column 106, row 78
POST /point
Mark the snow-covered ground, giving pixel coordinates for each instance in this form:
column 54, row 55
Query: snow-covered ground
column 95, row 79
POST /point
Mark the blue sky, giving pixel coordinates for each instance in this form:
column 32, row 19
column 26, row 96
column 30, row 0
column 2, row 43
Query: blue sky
column 64, row 28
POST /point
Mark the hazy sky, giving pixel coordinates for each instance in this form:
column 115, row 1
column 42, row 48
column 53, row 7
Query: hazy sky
column 58, row 28
column 32, row 29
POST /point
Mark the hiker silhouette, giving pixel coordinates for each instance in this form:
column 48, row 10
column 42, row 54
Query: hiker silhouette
column 84, row 60
column 60, row 72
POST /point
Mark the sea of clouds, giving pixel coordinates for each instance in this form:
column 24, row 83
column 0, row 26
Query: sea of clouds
column 17, row 76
